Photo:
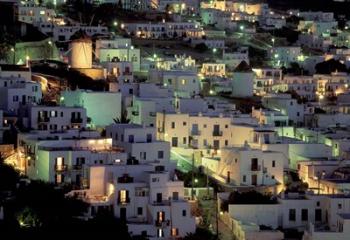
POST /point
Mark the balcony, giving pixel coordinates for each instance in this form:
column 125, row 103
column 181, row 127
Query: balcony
column 123, row 201
column 195, row 133
column 43, row 119
column 77, row 167
column 162, row 224
column 76, row 120
column 255, row 168
column 61, row 168
column 217, row 133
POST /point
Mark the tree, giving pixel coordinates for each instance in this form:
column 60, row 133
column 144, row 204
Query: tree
column 200, row 234
column 201, row 47
column 332, row 65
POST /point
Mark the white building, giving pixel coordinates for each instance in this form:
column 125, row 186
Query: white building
column 148, row 197
column 164, row 30
column 16, row 92
column 30, row 12
column 183, row 82
column 243, row 81
column 60, row 157
column 140, row 143
column 244, row 166
column 55, row 118
column 284, row 56
column 62, row 32
column 287, row 106
column 94, row 102
column 118, row 49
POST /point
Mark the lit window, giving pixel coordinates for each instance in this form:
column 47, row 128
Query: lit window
column 42, row 12
column 183, row 81
column 174, row 232
column 122, row 195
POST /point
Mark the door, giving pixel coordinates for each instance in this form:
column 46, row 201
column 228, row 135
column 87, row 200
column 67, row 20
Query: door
column 216, row 131
column 123, row 214
column 254, row 179
column 216, row 144
column 159, row 197
column 174, row 142
column 194, row 129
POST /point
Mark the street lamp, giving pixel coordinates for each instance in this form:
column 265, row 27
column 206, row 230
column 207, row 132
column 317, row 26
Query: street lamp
column 214, row 50
column 14, row 55
column 241, row 27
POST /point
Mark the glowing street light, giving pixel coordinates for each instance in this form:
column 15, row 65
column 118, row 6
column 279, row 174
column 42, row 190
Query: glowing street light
column 241, row 27
column 115, row 23
column 214, row 50
column 196, row 180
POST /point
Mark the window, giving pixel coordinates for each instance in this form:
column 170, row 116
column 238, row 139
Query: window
column 184, row 213
column 172, row 124
column 139, row 211
column 183, row 81
column 244, row 178
column 226, row 126
column 53, row 113
column 205, row 126
column 175, row 195
column 184, row 123
column 59, row 178
column 339, row 206
column 317, row 203
column 174, row 232
column 155, row 179
column 160, row 233
column 292, row 215
column 273, row 163
column 123, row 196
column 15, row 98
column 131, row 138
column 161, row 154
column 304, row 215
column 184, row 140
column 318, row 215
column 149, row 137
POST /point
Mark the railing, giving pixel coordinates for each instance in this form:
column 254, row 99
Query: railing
column 76, row 120
column 43, row 119
column 217, row 133
column 77, row 167
column 195, row 132
column 125, row 202
column 60, row 168
column 255, row 168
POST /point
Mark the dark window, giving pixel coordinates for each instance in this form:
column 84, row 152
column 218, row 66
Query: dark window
column 273, row 163
column 160, row 154
column 304, row 215
column 139, row 211
column 172, row 124
column 292, row 215
column 318, row 215
column 184, row 213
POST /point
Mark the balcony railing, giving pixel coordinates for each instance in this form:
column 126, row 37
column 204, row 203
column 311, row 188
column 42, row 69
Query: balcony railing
column 162, row 223
column 124, row 201
column 255, row 168
column 217, row 133
column 60, row 168
column 77, row 167
column 195, row 132
column 43, row 119
column 76, row 120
